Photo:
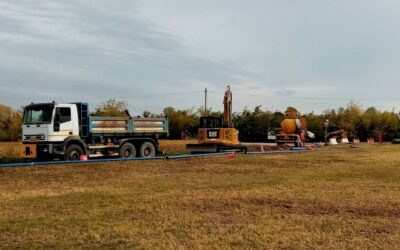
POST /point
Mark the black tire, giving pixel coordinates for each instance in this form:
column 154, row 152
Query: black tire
column 73, row 153
column 127, row 151
column 147, row 150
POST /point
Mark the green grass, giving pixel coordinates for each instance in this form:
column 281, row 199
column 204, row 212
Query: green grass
column 342, row 198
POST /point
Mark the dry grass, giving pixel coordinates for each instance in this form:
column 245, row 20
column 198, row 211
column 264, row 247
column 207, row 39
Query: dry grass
column 175, row 146
column 345, row 198
column 9, row 149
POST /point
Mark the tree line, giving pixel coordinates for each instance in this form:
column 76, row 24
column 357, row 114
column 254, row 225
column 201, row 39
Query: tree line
column 358, row 122
column 254, row 125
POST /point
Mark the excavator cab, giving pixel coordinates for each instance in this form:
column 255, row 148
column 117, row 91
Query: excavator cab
column 211, row 122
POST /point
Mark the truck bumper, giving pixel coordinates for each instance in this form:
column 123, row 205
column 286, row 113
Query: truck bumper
column 37, row 151
column 28, row 151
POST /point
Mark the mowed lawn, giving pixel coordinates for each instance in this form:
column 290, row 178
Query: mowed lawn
column 340, row 198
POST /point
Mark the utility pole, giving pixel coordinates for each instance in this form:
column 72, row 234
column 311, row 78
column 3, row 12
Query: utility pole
column 326, row 124
column 205, row 101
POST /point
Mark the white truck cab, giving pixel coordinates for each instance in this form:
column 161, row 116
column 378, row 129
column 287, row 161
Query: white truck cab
column 47, row 125
column 49, row 122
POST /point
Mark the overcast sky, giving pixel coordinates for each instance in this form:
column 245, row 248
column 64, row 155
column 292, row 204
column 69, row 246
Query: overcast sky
column 313, row 55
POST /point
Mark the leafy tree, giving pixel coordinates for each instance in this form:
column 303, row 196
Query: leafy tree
column 377, row 122
column 16, row 125
column 315, row 124
column 181, row 122
column 10, row 124
column 351, row 120
column 254, row 125
column 202, row 112
column 112, row 108
column 370, row 121
column 146, row 113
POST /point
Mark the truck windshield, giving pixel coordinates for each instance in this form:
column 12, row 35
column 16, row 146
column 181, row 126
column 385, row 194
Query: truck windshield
column 38, row 114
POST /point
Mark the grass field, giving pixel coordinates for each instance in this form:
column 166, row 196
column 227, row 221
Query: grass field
column 341, row 198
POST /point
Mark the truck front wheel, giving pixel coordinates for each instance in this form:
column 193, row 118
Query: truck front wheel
column 147, row 150
column 73, row 153
column 127, row 151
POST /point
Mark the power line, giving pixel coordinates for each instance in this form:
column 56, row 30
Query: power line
column 315, row 98
column 129, row 97
column 167, row 94
column 119, row 97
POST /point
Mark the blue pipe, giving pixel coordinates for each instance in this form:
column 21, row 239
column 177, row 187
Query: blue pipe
column 28, row 164
column 298, row 148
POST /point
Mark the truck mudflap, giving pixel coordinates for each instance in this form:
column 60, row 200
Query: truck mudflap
column 28, row 151
column 214, row 148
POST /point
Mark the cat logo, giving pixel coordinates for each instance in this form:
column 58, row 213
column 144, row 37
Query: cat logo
column 213, row 134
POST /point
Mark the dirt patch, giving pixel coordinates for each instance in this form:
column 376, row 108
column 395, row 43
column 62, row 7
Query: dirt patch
column 318, row 208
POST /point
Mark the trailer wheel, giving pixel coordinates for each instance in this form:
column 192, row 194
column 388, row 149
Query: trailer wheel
column 127, row 151
column 147, row 150
column 73, row 153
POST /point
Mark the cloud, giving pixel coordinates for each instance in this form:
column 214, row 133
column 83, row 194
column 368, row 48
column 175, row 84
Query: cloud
column 66, row 50
column 269, row 51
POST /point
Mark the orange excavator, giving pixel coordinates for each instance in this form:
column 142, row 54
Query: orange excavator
column 217, row 134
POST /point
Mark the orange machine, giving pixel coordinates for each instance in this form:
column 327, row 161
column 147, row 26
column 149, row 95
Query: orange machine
column 291, row 128
column 217, row 134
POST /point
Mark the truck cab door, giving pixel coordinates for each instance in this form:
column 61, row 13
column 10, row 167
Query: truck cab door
column 63, row 124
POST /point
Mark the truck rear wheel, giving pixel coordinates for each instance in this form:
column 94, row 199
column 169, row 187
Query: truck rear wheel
column 127, row 151
column 147, row 150
column 73, row 153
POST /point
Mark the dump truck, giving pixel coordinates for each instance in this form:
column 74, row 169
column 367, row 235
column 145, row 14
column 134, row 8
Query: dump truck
column 217, row 134
column 293, row 129
column 68, row 132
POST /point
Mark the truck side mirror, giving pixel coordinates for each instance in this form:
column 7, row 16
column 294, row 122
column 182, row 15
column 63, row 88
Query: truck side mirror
column 57, row 121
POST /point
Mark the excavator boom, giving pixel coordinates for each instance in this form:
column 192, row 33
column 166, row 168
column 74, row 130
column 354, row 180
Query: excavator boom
column 228, row 123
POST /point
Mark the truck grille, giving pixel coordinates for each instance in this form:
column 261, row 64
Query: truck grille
column 34, row 137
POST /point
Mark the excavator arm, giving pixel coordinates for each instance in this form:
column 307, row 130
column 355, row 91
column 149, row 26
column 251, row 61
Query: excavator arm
column 228, row 123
